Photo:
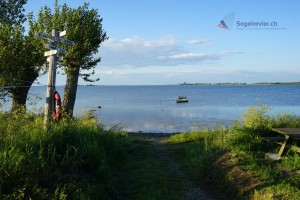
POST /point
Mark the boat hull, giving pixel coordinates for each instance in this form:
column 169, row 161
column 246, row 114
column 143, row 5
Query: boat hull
column 182, row 100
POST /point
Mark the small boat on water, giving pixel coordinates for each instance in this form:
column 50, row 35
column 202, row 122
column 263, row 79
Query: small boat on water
column 182, row 99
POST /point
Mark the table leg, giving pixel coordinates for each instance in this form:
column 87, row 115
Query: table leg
column 281, row 151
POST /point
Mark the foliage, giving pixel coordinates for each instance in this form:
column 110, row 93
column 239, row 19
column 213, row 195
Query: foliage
column 256, row 117
column 76, row 160
column 286, row 119
column 292, row 162
column 21, row 59
column 12, row 11
column 84, row 27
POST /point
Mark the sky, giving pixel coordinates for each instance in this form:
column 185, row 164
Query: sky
column 174, row 41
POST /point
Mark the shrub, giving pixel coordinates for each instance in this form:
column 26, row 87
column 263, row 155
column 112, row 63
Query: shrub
column 288, row 120
column 256, row 117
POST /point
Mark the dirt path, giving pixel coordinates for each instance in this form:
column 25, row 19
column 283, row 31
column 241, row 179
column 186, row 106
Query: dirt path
column 155, row 157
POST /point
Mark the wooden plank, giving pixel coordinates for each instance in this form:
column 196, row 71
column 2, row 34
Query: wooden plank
column 289, row 146
column 273, row 138
column 281, row 151
column 294, row 132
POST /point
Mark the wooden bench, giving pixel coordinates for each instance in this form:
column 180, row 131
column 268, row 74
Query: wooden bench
column 289, row 135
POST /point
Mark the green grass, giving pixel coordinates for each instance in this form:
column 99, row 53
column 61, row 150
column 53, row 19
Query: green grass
column 235, row 158
column 75, row 160
column 148, row 176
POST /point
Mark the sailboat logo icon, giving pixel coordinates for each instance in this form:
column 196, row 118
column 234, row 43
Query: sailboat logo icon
column 227, row 21
column 223, row 24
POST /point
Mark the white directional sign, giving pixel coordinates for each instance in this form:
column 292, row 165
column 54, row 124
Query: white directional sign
column 55, row 39
column 63, row 33
column 58, row 58
column 49, row 53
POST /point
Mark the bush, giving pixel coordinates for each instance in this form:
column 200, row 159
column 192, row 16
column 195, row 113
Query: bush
column 287, row 120
column 256, row 117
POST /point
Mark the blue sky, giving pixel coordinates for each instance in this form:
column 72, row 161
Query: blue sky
column 171, row 41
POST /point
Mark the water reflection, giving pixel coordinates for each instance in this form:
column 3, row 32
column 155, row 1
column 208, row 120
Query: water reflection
column 152, row 119
column 147, row 119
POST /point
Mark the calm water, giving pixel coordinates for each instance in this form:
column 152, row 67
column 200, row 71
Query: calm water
column 153, row 108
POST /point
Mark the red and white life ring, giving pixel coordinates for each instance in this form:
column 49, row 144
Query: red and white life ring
column 56, row 111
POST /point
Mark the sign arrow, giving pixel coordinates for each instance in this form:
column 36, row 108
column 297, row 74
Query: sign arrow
column 55, row 39
column 69, row 42
column 50, row 53
column 53, row 47
column 60, row 50
column 63, row 33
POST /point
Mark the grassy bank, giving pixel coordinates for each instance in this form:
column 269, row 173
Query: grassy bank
column 75, row 160
column 231, row 163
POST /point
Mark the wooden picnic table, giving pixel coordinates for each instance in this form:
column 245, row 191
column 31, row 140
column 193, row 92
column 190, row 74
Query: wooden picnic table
column 290, row 134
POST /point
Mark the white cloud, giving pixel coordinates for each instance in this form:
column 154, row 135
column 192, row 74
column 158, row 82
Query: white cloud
column 201, row 43
column 188, row 55
column 114, row 73
column 135, row 52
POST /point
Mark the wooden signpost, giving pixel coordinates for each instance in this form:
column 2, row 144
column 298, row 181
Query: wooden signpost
column 54, row 39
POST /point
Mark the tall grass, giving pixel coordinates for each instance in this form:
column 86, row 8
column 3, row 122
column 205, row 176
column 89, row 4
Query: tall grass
column 75, row 160
column 235, row 158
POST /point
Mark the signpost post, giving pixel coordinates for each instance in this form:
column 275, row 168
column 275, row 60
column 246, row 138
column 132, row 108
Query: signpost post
column 54, row 39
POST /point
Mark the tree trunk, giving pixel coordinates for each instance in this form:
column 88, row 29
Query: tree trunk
column 19, row 97
column 70, row 92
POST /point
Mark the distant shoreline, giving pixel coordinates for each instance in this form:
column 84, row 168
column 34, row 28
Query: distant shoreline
column 198, row 84
column 240, row 84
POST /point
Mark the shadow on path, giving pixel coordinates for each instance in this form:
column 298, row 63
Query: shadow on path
column 152, row 172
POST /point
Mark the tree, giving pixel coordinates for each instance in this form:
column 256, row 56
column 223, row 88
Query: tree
column 20, row 63
column 84, row 27
column 12, row 11
column 20, row 57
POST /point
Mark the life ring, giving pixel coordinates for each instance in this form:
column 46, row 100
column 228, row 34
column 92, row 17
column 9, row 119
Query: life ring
column 56, row 114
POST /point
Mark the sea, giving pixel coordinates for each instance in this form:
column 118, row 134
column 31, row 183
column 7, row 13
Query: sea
column 153, row 109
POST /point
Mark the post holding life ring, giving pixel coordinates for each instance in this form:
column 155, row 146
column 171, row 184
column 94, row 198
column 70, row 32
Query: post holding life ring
column 56, row 110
